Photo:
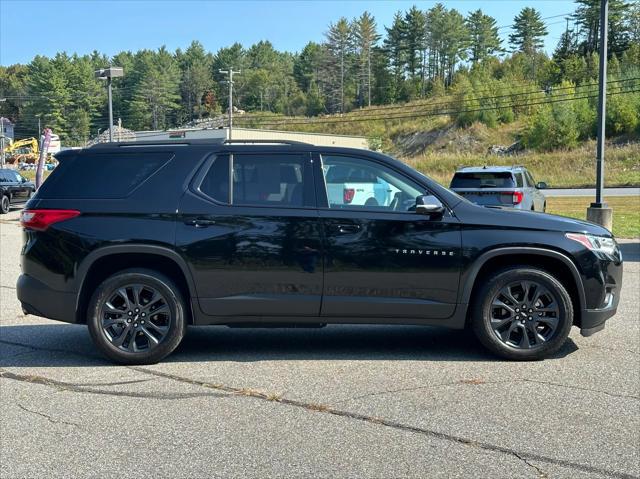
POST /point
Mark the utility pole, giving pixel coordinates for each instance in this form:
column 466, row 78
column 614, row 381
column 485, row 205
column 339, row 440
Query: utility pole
column 108, row 74
column 230, row 72
column 599, row 212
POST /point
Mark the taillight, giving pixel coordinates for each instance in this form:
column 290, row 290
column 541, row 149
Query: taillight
column 348, row 195
column 40, row 220
column 517, row 197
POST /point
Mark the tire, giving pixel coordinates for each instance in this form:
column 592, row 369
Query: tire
column 5, row 204
column 155, row 327
column 500, row 330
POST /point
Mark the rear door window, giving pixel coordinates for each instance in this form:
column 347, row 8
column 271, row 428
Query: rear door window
column 483, row 180
column 279, row 180
column 102, row 175
column 519, row 180
column 215, row 184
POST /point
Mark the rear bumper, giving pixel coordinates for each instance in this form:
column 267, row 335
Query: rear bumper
column 39, row 299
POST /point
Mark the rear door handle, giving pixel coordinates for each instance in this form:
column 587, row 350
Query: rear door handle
column 348, row 228
column 200, row 222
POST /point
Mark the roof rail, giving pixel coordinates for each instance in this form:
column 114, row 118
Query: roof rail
column 138, row 144
column 196, row 141
column 279, row 142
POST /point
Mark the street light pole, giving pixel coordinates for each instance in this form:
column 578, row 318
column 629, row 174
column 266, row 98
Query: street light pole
column 230, row 72
column 108, row 74
column 110, row 109
column 599, row 212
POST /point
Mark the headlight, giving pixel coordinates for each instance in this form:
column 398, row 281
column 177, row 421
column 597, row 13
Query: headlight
column 595, row 243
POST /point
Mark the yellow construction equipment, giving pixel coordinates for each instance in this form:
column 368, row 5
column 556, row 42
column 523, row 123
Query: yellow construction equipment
column 22, row 151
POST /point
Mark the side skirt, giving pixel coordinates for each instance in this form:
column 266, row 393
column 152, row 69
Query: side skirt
column 456, row 321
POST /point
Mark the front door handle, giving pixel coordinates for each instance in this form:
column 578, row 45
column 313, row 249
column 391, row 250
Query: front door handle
column 200, row 222
column 345, row 229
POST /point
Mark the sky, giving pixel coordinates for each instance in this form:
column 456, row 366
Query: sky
column 45, row 27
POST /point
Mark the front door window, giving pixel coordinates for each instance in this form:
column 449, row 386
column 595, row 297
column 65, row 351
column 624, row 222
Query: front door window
column 354, row 183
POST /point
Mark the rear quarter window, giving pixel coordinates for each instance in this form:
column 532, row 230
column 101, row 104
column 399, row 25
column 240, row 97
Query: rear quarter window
column 102, row 175
column 483, row 180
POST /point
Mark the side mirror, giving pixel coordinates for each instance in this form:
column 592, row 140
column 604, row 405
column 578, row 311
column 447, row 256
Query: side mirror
column 542, row 185
column 429, row 205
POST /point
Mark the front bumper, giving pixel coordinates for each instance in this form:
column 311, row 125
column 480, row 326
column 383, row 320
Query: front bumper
column 39, row 299
column 593, row 320
column 607, row 295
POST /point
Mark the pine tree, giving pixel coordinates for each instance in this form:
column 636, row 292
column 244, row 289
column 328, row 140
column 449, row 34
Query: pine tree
column 436, row 19
column 528, row 31
column 156, row 95
column 483, row 36
column 414, row 40
column 366, row 38
column 587, row 17
column 196, row 78
column 340, row 45
column 51, row 98
column 394, row 49
column 455, row 42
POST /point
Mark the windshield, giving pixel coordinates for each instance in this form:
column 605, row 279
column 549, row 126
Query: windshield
column 483, row 180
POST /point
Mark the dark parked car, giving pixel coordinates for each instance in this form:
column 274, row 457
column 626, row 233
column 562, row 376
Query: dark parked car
column 140, row 240
column 504, row 186
column 14, row 189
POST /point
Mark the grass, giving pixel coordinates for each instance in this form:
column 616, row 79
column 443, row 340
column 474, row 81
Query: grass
column 31, row 174
column 626, row 212
column 433, row 145
column 559, row 169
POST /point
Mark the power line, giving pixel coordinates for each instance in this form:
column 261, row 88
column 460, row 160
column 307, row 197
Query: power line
column 309, row 121
column 417, row 105
column 441, row 113
column 446, row 112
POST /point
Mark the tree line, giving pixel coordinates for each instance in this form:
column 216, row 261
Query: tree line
column 422, row 54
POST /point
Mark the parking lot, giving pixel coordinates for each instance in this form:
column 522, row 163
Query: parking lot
column 343, row 401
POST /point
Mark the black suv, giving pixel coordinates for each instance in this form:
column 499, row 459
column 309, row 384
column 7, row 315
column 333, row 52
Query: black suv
column 140, row 240
column 14, row 188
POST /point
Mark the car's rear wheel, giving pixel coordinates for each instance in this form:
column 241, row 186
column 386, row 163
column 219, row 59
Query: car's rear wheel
column 5, row 204
column 522, row 313
column 137, row 316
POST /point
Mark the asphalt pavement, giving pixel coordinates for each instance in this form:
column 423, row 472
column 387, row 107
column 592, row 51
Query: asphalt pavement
column 343, row 401
column 591, row 192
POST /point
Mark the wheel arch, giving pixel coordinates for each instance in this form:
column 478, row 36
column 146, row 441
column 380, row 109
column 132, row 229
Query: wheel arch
column 551, row 261
column 104, row 262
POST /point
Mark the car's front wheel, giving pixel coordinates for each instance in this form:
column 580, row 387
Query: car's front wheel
column 522, row 313
column 5, row 204
column 137, row 316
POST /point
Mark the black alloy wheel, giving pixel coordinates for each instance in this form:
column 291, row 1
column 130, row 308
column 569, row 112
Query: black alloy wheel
column 522, row 313
column 137, row 316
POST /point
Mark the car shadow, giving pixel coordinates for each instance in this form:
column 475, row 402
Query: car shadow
column 59, row 345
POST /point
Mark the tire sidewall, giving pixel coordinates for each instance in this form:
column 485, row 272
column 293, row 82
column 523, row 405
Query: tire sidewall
column 5, row 204
column 482, row 313
column 175, row 302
